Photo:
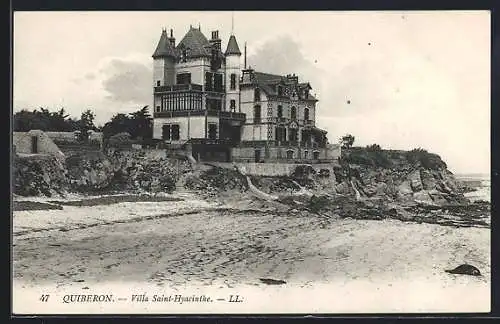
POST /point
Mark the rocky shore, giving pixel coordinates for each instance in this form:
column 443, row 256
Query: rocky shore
column 403, row 187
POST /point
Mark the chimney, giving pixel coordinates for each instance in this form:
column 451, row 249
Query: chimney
column 171, row 39
column 292, row 78
column 216, row 41
column 248, row 75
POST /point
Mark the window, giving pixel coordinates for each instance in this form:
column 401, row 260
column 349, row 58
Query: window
column 170, row 132
column 293, row 136
column 306, row 114
column 280, row 111
column 175, row 133
column 208, row 81
column 218, row 84
column 212, row 131
column 280, row 134
column 158, row 108
column 293, row 113
column 166, row 132
column 257, row 156
column 232, row 105
column 214, row 104
column 256, row 115
column 184, row 78
column 280, row 90
column 257, row 94
column 289, row 154
column 316, row 155
column 158, row 83
column 305, row 154
column 233, row 82
column 184, row 54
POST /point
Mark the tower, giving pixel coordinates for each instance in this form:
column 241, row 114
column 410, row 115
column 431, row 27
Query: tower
column 164, row 60
column 164, row 63
column 233, row 74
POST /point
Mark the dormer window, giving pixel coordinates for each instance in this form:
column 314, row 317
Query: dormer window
column 280, row 90
column 184, row 53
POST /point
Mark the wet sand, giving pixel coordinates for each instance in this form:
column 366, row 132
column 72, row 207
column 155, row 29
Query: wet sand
column 194, row 246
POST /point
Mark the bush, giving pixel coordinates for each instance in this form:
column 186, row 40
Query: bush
column 317, row 204
column 373, row 147
column 303, row 171
column 372, row 155
column 324, row 173
column 120, row 140
column 426, row 159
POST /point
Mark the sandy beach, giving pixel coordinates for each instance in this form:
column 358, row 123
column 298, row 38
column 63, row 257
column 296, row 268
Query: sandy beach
column 192, row 246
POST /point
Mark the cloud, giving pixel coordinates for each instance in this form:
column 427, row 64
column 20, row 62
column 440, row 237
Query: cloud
column 283, row 55
column 127, row 81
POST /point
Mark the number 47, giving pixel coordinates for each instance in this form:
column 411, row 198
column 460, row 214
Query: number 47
column 44, row 298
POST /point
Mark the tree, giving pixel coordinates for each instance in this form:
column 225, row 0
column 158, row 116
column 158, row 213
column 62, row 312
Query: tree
column 86, row 124
column 347, row 141
column 142, row 124
column 373, row 147
column 138, row 124
column 45, row 120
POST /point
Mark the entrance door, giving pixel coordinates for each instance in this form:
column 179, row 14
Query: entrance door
column 34, row 144
column 257, row 156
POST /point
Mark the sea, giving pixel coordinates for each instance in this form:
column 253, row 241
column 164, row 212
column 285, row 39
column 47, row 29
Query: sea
column 478, row 181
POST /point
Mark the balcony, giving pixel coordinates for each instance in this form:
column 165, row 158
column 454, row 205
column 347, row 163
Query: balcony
column 210, row 141
column 179, row 87
column 232, row 115
column 178, row 113
column 240, row 117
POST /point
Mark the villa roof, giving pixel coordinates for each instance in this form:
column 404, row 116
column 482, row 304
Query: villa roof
column 164, row 48
column 196, row 43
column 267, row 82
column 232, row 46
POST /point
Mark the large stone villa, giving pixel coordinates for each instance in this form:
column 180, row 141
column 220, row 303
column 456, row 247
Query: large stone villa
column 207, row 104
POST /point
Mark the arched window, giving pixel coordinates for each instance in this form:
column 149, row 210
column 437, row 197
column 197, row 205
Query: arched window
column 257, row 94
column 306, row 114
column 293, row 113
column 256, row 114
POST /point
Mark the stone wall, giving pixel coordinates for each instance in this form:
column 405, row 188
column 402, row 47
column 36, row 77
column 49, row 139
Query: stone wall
column 272, row 154
column 272, row 169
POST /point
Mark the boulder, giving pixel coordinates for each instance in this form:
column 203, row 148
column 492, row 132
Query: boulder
column 415, row 181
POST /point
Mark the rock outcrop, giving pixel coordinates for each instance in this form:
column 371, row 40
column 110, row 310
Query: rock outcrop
column 402, row 180
column 95, row 172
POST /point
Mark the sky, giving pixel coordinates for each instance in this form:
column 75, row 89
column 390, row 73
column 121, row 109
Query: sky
column 399, row 79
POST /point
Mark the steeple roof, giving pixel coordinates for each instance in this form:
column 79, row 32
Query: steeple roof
column 164, row 48
column 232, row 46
column 196, row 43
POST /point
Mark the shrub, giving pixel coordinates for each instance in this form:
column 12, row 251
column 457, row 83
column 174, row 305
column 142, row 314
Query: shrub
column 373, row 147
column 303, row 171
column 317, row 204
column 426, row 159
column 372, row 155
column 324, row 173
column 120, row 140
